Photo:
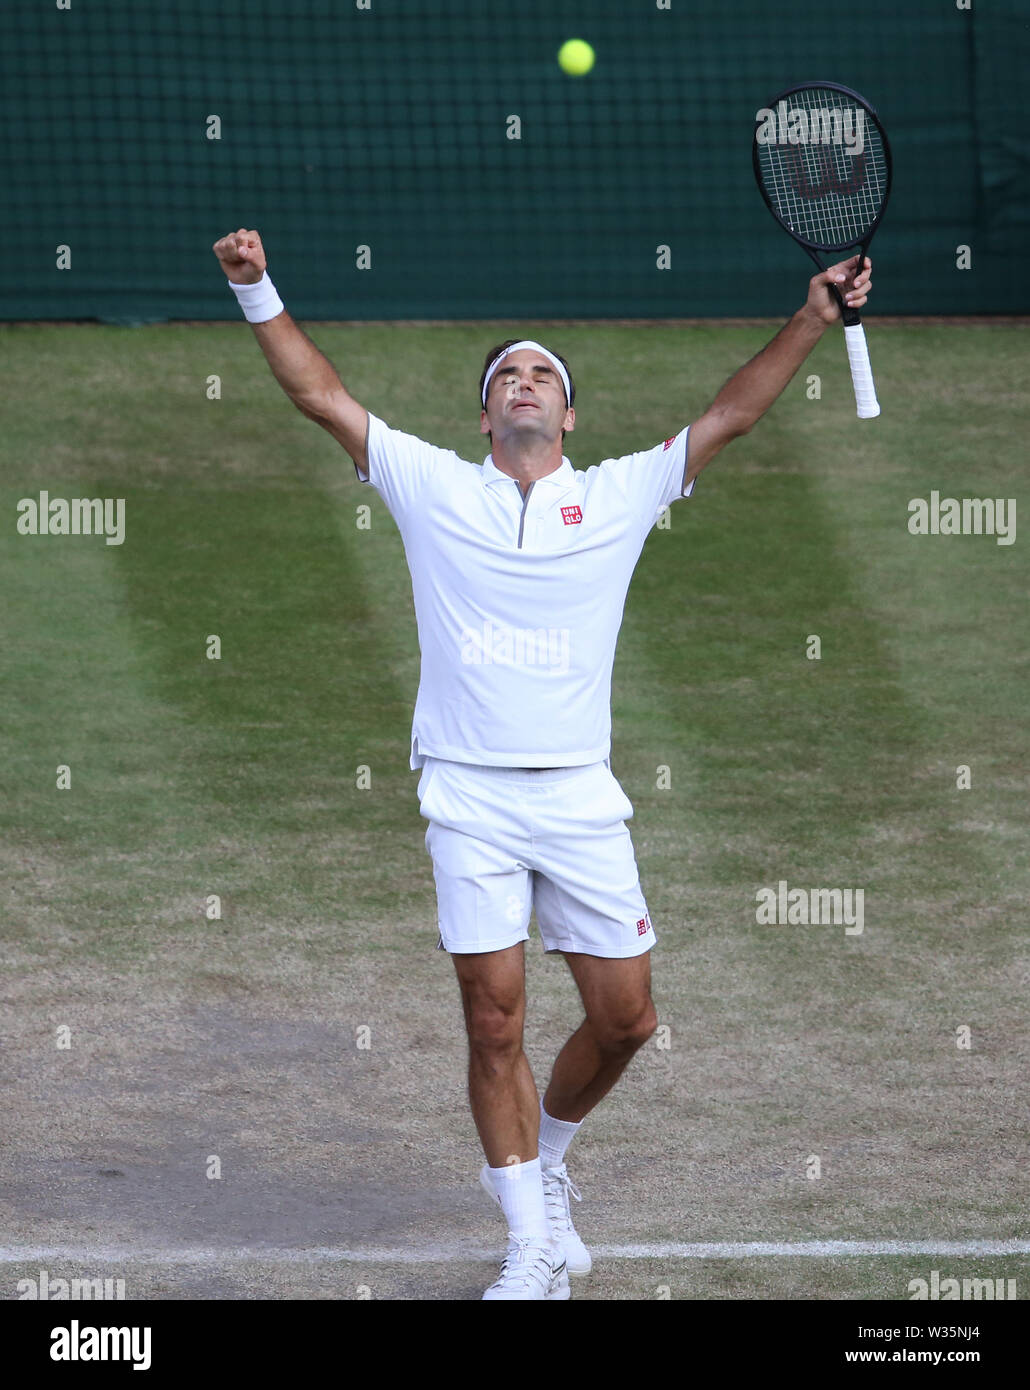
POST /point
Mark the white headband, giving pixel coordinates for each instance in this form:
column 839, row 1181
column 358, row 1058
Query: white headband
column 528, row 343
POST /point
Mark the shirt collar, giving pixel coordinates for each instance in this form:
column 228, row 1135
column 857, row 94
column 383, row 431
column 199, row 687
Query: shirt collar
column 561, row 477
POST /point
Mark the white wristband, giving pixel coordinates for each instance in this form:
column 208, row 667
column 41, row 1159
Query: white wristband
column 259, row 302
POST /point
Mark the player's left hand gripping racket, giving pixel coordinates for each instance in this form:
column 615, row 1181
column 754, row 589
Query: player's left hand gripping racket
column 823, row 166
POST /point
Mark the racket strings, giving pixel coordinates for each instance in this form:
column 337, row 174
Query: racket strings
column 821, row 188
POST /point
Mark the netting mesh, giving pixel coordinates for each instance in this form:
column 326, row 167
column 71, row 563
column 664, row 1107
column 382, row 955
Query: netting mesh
column 409, row 159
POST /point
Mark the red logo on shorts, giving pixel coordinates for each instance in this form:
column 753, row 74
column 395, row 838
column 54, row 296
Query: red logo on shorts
column 643, row 925
column 571, row 516
column 667, row 443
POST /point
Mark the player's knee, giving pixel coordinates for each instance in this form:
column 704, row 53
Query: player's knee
column 643, row 1027
column 626, row 1032
column 494, row 1033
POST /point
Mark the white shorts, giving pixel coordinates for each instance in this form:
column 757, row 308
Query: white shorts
column 505, row 840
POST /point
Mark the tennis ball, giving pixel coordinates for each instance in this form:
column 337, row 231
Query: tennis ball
column 575, row 57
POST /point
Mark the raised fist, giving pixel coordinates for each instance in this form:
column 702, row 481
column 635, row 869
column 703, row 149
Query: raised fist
column 242, row 256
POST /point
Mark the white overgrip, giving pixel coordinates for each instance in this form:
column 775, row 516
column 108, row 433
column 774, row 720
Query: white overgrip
column 861, row 372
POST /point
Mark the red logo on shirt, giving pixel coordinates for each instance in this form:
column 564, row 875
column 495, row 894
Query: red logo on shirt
column 668, row 442
column 642, row 926
column 571, row 516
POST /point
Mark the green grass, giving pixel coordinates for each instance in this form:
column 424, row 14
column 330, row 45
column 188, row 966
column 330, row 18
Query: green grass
column 237, row 777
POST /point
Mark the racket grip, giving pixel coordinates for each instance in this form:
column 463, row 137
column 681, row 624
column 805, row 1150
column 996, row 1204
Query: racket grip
column 861, row 372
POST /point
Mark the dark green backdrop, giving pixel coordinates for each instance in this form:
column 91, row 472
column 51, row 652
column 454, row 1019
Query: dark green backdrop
column 386, row 127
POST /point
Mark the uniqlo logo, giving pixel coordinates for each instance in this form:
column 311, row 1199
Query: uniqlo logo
column 668, row 443
column 571, row 516
column 643, row 925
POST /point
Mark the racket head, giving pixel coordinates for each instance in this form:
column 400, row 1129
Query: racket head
column 828, row 188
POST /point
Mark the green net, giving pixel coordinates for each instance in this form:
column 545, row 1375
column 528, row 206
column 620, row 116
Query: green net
column 406, row 159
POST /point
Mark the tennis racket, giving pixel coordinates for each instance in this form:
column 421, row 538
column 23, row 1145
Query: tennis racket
column 823, row 166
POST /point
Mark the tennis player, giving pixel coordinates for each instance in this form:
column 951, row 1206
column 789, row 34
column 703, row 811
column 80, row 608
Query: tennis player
column 520, row 567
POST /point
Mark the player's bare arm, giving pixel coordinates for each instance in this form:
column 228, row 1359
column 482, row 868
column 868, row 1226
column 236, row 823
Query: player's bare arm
column 750, row 392
column 305, row 374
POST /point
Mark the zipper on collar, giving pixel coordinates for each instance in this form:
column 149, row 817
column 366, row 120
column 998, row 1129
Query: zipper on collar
column 525, row 504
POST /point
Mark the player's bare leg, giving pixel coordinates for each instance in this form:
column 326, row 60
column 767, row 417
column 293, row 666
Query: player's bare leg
column 506, row 1109
column 502, row 1092
column 620, row 1017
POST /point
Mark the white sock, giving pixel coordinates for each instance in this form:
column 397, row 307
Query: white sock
column 555, row 1138
column 521, row 1191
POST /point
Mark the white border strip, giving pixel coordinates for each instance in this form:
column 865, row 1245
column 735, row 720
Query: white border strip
column 448, row 1254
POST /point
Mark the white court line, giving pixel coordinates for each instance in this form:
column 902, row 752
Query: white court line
column 448, row 1254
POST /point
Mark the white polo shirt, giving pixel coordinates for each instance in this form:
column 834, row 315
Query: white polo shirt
column 518, row 600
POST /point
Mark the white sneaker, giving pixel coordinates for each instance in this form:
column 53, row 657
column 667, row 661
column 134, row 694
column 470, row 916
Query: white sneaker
column 531, row 1269
column 558, row 1187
